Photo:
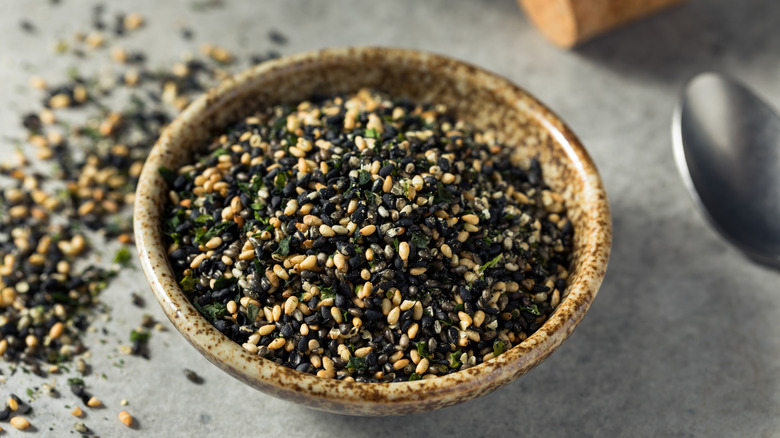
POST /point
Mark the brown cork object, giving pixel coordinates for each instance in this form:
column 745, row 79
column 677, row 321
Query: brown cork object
column 570, row 22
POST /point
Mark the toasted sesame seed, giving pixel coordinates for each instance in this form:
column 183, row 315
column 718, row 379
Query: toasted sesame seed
column 368, row 230
column 214, row 243
column 393, row 315
column 310, row 262
column 400, row 364
column 20, row 423
column 266, row 329
column 403, row 250
column 277, row 344
column 326, row 231
column 56, row 330
column 94, row 403
column 417, row 271
column 126, row 418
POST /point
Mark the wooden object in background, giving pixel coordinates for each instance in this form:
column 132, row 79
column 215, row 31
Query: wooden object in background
column 569, row 22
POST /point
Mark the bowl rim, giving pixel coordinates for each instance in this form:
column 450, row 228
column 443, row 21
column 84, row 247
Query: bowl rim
column 374, row 398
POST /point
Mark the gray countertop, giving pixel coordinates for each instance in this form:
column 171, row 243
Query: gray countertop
column 682, row 339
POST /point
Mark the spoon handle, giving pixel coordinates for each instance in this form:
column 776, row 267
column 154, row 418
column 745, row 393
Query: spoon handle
column 569, row 22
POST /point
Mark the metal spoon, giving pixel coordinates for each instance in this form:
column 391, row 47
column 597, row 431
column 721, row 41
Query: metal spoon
column 727, row 147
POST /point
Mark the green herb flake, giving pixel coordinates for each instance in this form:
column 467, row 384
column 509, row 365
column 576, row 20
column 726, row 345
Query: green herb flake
column 281, row 180
column 414, row 377
column 123, row 257
column 219, row 152
column 168, row 175
column 202, row 236
column 244, row 187
column 498, row 348
column 443, row 195
column 372, row 133
column 356, row 364
column 327, row 292
column 490, row 264
column 455, row 359
column 364, row 177
column 139, row 336
column 284, row 247
column 252, row 312
column 188, row 283
column 75, row 381
column 420, row 240
column 94, row 134
column 534, row 310
column 212, row 312
column 422, row 349
column 202, row 219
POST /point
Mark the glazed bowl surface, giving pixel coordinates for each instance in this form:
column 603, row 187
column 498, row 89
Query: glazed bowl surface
column 483, row 99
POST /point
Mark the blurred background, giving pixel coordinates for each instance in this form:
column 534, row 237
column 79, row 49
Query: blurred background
column 682, row 338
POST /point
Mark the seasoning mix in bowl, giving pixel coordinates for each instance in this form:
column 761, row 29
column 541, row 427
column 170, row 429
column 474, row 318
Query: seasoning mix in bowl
column 372, row 231
column 367, row 239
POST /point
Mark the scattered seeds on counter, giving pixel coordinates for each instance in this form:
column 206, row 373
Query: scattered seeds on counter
column 68, row 191
column 368, row 239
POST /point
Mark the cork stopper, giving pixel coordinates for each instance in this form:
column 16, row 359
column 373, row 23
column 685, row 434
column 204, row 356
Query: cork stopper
column 569, row 22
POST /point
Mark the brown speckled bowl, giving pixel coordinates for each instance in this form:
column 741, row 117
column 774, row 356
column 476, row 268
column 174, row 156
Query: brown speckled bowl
column 482, row 98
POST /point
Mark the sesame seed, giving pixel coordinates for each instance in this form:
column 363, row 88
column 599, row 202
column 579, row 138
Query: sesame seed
column 20, row 423
column 126, row 418
column 94, row 403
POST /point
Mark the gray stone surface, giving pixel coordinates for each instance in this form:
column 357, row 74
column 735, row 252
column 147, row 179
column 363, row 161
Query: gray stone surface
column 683, row 337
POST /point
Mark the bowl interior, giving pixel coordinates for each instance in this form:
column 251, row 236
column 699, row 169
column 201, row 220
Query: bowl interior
column 481, row 98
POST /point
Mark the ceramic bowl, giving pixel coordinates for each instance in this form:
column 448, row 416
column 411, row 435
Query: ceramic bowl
column 475, row 95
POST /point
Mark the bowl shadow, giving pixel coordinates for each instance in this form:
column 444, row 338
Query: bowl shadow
column 691, row 37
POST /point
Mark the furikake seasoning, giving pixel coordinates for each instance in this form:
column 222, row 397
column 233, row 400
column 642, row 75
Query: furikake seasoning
column 368, row 239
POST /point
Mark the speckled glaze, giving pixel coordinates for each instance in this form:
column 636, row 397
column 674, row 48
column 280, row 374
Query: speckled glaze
column 482, row 98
